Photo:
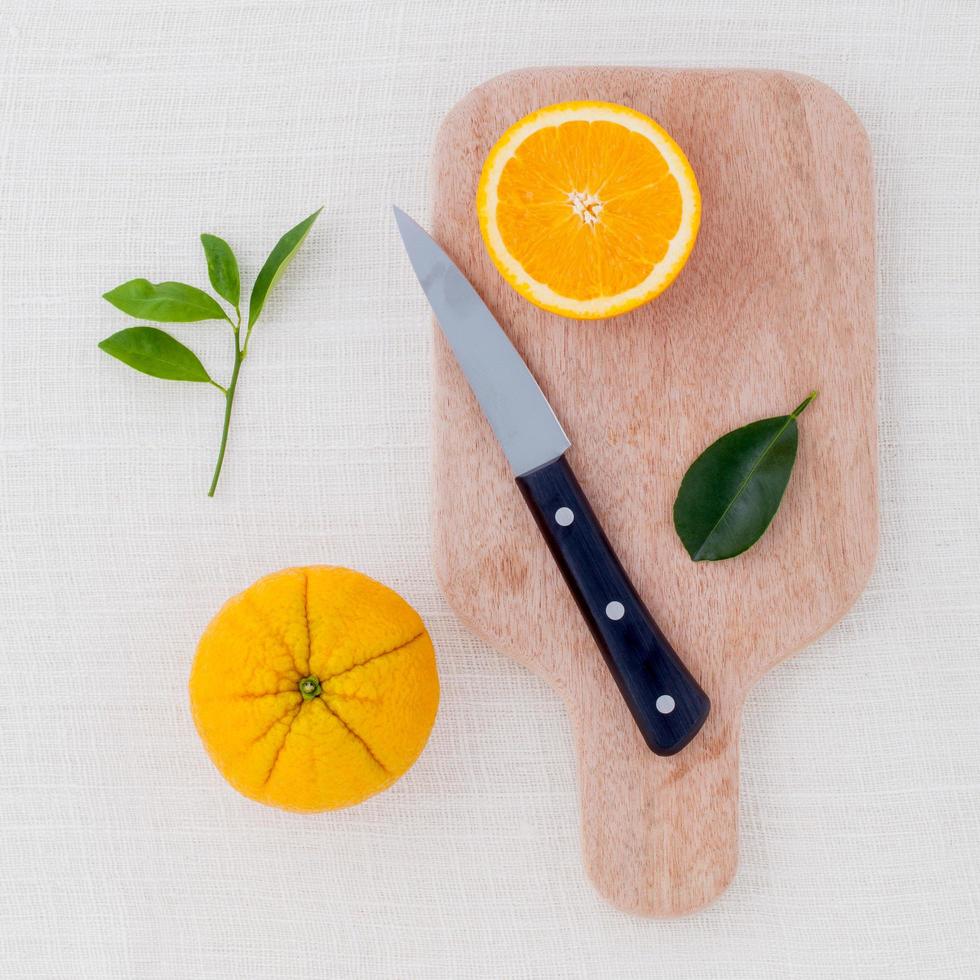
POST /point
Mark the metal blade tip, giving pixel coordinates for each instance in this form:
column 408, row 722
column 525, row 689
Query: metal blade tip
column 405, row 223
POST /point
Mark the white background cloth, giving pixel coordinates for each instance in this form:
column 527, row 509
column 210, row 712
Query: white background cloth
column 128, row 129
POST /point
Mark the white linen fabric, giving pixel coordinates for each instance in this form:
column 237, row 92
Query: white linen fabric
column 126, row 129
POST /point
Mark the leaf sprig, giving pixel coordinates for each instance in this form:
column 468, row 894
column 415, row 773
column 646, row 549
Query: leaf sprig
column 731, row 492
column 154, row 352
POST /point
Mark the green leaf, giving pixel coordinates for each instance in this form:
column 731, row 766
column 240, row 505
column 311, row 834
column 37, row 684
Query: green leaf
column 155, row 353
column 222, row 268
column 275, row 265
column 732, row 491
column 165, row 302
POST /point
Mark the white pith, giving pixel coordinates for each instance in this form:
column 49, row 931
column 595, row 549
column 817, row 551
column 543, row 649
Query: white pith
column 586, row 205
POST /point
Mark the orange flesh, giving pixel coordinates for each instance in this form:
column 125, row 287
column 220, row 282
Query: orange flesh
column 588, row 208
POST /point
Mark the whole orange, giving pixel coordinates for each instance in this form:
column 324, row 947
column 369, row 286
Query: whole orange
column 314, row 689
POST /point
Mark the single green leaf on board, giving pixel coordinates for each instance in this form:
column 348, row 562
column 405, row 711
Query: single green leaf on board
column 275, row 265
column 165, row 302
column 222, row 268
column 155, row 353
column 731, row 492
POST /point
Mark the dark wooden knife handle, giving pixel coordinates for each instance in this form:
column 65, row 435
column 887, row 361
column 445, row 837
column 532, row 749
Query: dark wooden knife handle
column 666, row 701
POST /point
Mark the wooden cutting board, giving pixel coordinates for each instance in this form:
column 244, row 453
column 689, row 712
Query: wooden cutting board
column 778, row 298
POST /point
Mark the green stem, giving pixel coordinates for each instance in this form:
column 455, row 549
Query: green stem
column 248, row 333
column 229, row 400
column 801, row 408
column 309, row 687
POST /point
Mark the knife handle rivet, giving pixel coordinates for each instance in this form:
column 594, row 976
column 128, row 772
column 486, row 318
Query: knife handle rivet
column 615, row 610
column 665, row 704
column 564, row 516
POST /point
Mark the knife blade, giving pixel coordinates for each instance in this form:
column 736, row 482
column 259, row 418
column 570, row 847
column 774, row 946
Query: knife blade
column 512, row 401
column 667, row 704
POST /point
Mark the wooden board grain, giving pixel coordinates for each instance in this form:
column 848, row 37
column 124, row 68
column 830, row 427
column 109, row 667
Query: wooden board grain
column 777, row 298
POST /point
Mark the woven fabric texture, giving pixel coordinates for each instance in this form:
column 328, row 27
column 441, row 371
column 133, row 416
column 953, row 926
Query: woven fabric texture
column 126, row 129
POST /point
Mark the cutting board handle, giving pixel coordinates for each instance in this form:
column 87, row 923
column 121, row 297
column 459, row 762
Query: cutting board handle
column 666, row 702
column 673, row 845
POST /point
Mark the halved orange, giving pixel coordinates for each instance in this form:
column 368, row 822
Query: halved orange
column 588, row 209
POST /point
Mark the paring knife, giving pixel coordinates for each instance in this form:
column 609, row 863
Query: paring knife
column 668, row 705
